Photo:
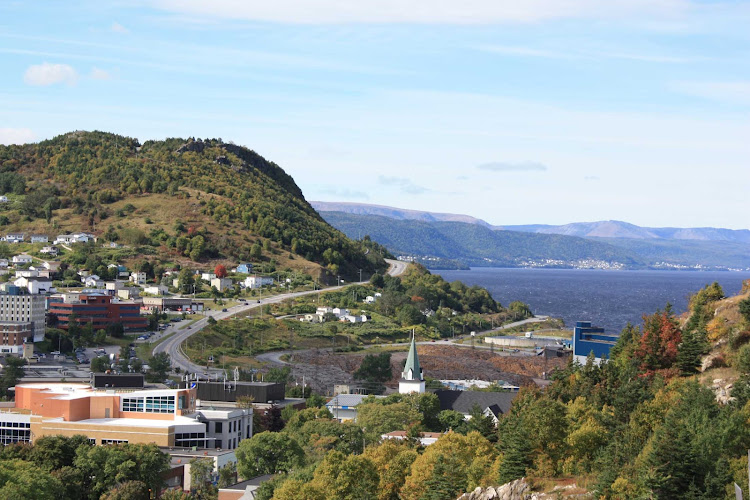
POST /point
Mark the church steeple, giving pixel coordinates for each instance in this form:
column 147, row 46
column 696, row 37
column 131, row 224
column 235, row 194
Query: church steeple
column 412, row 370
column 412, row 379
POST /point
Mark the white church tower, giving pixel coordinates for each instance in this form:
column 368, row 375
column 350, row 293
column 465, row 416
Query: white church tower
column 411, row 379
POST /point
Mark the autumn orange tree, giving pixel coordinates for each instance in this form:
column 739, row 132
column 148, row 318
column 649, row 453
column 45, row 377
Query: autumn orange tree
column 220, row 271
column 660, row 341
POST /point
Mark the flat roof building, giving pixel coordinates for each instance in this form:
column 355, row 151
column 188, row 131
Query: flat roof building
column 99, row 309
column 588, row 339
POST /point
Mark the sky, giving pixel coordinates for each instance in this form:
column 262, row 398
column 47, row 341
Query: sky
column 516, row 112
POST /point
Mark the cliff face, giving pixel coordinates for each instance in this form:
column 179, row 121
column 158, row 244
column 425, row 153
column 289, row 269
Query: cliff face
column 521, row 490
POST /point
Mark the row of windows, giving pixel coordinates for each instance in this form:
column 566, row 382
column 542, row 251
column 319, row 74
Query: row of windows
column 153, row 404
column 114, row 441
column 22, row 425
column 8, row 436
column 190, row 439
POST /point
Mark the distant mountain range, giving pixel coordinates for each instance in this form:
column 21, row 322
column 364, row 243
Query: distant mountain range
column 442, row 237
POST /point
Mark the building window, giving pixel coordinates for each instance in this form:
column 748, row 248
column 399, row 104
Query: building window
column 190, row 439
column 160, row 404
column 132, row 404
column 114, row 441
column 218, row 443
column 217, row 427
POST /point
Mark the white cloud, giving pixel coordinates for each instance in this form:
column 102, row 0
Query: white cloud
column 100, row 74
column 16, row 135
column 50, row 74
column 405, row 185
column 527, row 166
column 520, row 51
column 119, row 28
column 729, row 92
column 421, row 11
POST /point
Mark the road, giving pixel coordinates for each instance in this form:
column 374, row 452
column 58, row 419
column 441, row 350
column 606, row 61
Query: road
column 172, row 344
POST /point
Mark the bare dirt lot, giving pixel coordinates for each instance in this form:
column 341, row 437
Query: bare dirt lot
column 323, row 369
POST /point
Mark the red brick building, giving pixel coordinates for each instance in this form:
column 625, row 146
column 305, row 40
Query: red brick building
column 98, row 309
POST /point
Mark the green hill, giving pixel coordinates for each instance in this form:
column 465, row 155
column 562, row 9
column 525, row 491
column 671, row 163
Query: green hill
column 175, row 200
column 475, row 244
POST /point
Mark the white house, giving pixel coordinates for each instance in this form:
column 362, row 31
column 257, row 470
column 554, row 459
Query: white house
column 156, row 290
column 313, row 318
column 22, row 259
column 87, row 276
column 113, row 286
column 93, row 281
column 74, row 238
column 338, row 311
column 50, row 250
column 3, row 199
column 354, row 318
column 425, row 438
column 13, row 237
column 3, row 262
column 35, row 285
column 322, row 311
column 39, row 238
column 27, row 273
column 257, row 281
column 221, row 284
column 139, row 278
column 207, row 277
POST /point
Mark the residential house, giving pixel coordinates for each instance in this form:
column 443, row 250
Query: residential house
column 207, row 277
column 22, row 259
column 13, row 238
column 322, row 311
column 128, row 293
column 425, row 438
column 3, row 199
column 221, row 284
column 93, row 281
column 354, row 318
column 339, row 312
column 50, row 250
column 3, row 262
column 491, row 404
column 51, row 265
column 39, row 238
column 257, row 281
column 122, row 271
column 313, row 318
column 27, row 273
column 35, row 285
column 113, row 286
column 69, row 239
column 244, row 268
column 156, row 290
column 343, row 407
column 139, row 277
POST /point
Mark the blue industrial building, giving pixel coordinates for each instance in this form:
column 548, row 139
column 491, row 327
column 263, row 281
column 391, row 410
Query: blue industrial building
column 587, row 339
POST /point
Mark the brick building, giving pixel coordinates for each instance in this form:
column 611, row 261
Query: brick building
column 99, row 309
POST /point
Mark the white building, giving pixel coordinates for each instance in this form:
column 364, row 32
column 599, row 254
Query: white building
column 207, row 277
column 139, row 278
column 257, row 281
column 39, row 238
column 412, row 378
column 13, row 237
column 35, row 286
column 156, row 290
column 22, row 259
column 50, row 250
column 27, row 273
column 221, row 284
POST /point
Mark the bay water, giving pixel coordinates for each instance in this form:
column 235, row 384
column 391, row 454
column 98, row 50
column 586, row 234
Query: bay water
column 609, row 299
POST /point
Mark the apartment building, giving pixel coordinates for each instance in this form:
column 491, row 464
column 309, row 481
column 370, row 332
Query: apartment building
column 19, row 308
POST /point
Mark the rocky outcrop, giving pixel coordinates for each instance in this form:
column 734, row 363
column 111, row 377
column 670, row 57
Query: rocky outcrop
column 722, row 389
column 521, row 490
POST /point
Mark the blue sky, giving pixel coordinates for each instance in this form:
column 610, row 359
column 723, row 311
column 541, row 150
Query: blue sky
column 538, row 111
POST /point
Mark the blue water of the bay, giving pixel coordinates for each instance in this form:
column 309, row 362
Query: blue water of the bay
column 609, row 299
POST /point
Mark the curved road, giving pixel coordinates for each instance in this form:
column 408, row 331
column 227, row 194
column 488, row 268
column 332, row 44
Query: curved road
column 172, row 345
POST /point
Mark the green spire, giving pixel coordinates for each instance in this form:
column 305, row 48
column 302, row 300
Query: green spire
column 412, row 362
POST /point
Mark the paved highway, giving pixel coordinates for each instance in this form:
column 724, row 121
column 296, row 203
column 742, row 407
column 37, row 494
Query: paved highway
column 172, row 345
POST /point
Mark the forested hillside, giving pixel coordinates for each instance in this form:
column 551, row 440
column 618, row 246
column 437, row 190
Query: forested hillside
column 473, row 243
column 193, row 199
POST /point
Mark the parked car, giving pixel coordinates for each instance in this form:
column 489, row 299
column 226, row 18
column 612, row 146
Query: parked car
column 224, row 310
